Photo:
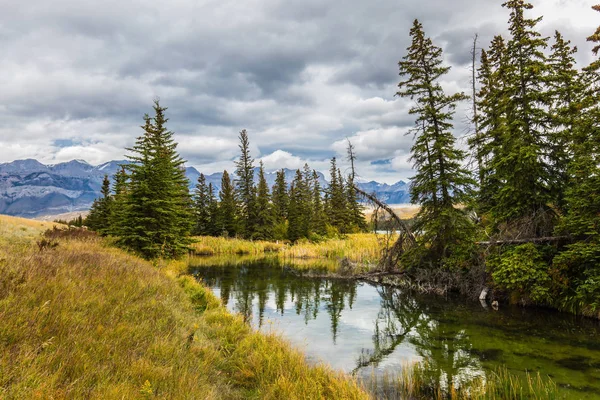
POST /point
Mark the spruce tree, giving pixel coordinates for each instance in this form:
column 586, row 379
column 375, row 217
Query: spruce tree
column 99, row 217
column 565, row 93
column 492, row 118
column 201, row 207
column 280, row 197
column 356, row 217
column 336, row 199
column 307, row 198
column 158, row 213
column 319, row 221
column 280, row 200
column 227, row 216
column 441, row 182
column 244, row 187
column 581, row 259
column 213, row 212
column 522, row 167
column 297, row 209
column 117, row 214
column 264, row 213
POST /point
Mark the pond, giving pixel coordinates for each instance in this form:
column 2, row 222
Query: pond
column 368, row 330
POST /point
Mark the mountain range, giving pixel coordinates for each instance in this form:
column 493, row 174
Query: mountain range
column 31, row 189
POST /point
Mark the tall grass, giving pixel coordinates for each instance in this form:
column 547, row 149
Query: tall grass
column 418, row 381
column 209, row 246
column 84, row 320
column 363, row 248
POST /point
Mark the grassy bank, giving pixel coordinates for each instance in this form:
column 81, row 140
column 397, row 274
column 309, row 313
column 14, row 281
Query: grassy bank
column 361, row 248
column 84, row 320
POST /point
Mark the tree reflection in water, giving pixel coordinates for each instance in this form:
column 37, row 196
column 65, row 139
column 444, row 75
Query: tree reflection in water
column 401, row 317
column 377, row 327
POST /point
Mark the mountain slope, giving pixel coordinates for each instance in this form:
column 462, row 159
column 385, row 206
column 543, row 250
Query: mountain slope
column 29, row 188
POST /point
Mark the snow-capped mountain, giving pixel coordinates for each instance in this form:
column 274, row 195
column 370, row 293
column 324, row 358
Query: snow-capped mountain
column 29, row 188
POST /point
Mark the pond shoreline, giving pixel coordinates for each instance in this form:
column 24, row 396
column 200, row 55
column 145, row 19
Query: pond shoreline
column 369, row 319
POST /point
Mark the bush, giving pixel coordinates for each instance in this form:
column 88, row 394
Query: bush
column 523, row 271
column 580, row 264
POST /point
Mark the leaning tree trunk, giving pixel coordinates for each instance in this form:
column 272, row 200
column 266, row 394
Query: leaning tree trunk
column 406, row 240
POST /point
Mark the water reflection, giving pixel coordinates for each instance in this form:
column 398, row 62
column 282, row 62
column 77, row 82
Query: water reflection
column 360, row 327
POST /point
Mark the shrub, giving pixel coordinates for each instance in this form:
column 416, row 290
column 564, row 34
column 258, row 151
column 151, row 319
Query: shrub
column 523, row 271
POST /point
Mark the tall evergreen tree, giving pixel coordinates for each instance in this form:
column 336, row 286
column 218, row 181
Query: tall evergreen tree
column 118, row 211
column 244, row 187
column 522, row 168
column 228, row 223
column 492, row 118
column 307, row 198
column 213, row 212
column 201, row 207
column 319, row 219
column 158, row 214
column 336, row 199
column 264, row 213
column 280, row 197
column 441, row 182
column 99, row 217
column 297, row 211
column 356, row 217
column 566, row 92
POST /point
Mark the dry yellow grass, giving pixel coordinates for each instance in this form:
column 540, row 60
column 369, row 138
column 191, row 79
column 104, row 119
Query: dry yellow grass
column 84, row 320
column 363, row 248
column 404, row 211
column 13, row 227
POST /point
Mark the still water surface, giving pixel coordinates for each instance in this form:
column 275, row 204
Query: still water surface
column 363, row 328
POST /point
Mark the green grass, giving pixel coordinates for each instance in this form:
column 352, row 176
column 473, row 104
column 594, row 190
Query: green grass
column 417, row 381
column 85, row 320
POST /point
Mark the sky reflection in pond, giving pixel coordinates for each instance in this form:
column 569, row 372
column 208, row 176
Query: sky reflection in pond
column 358, row 327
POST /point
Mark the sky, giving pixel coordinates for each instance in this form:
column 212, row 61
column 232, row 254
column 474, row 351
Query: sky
column 302, row 76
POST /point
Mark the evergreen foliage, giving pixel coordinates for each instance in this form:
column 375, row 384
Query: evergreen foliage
column 356, row 217
column 280, row 200
column 441, row 182
column 264, row 212
column 99, row 217
column 319, row 219
column 202, row 198
column 157, row 218
column 336, row 199
column 227, row 215
column 520, row 164
column 298, row 216
column 244, row 188
column 116, row 217
column 565, row 91
column 280, row 197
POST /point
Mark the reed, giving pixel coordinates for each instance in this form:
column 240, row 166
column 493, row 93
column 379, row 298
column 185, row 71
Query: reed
column 361, row 248
column 419, row 381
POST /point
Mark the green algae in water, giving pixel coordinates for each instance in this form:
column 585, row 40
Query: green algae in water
column 365, row 329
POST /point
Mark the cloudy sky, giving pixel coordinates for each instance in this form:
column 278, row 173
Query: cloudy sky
column 76, row 76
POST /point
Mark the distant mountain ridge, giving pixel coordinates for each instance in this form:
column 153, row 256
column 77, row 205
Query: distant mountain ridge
column 29, row 188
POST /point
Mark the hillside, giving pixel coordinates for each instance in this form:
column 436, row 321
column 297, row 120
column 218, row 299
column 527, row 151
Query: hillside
column 85, row 320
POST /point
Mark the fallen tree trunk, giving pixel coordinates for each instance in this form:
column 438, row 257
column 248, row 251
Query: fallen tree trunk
column 546, row 239
column 403, row 227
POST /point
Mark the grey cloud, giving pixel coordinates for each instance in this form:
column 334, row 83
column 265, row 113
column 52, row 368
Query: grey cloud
column 300, row 75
